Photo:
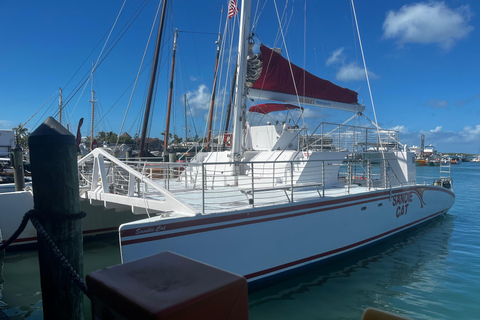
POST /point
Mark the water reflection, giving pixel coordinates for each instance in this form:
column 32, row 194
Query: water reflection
column 20, row 291
column 399, row 276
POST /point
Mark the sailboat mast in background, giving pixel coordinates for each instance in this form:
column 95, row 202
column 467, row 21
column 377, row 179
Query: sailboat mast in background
column 142, row 150
column 212, row 102
column 170, row 94
column 93, row 108
column 60, row 105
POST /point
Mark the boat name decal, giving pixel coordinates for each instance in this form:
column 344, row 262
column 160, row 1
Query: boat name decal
column 402, row 201
column 402, row 198
column 150, row 230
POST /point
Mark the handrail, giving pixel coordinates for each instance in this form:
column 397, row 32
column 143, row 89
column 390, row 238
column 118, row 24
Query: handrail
column 102, row 192
column 209, row 181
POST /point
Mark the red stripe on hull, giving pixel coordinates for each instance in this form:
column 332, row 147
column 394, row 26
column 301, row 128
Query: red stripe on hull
column 232, row 225
column 256, row 213
column 20, row 241
column 339, row 250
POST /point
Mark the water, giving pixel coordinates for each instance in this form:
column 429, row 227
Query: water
column 432, row 272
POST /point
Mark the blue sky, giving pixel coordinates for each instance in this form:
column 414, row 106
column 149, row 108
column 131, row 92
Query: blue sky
column 421, row 56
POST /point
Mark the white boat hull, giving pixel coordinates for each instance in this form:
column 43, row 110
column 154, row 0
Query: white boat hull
column 14, row 205
column 259, row 243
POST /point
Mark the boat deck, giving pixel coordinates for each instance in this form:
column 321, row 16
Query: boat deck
column 221, row 199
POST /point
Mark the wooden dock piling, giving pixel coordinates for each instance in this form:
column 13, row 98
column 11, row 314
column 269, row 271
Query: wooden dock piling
column 53, row 156
column 18, row 173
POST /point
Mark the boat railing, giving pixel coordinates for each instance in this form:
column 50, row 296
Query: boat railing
column 105, row 180
column 341, row 137
column 204, row 187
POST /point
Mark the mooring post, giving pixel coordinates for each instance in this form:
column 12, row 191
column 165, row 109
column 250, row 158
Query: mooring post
column 18, row 173
column 53, row 156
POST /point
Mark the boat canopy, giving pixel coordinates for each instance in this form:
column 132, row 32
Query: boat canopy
column 275, row 83
column 272, row 107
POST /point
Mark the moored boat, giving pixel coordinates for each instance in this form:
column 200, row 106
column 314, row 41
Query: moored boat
column 280, row 197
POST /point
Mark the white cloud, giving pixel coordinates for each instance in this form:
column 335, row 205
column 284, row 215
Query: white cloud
column 192, row 78
column 431, row 22
column 336, row 57
column 312, row 113
column 471, row 134
column 461, row 103
column 5, row 124
column 437, row 129
column 435, row 103
column 199, row 100
column 352, row 72
column 400, row 129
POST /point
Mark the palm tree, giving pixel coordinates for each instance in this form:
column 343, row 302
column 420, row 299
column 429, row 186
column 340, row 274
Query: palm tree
column 21, row 136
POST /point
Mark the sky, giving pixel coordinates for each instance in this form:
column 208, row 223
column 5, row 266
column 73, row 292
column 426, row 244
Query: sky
column 421, row 57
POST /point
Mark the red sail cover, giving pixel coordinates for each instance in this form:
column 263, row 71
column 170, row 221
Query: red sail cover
column 276, row 76
column 271, row 107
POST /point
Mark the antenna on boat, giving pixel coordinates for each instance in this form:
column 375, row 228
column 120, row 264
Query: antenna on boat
column 141, row 152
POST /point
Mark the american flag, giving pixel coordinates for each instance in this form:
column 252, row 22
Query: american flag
column 232, row 8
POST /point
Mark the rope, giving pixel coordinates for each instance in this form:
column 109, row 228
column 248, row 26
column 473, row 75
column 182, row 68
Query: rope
column 20, row 229
column 33, row 215
column 254, row 68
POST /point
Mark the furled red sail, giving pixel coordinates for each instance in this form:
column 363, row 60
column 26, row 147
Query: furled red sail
column 276, row 76
column 272, row 107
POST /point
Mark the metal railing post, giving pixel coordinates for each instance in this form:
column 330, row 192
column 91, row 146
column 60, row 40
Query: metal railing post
column 339, row 137
column 253, row 188
column 291, row 178
column 369, row 174
column 203, row 188
column 323, row 178
column 321, row 141
column 353, row 141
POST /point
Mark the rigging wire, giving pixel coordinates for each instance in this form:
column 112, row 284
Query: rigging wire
column 101, row 52
column 139, row 72
column 286, row 52
column 257, row 15
column 368, row 80
column 222, row 99
column 118, row 38
column 53, row 95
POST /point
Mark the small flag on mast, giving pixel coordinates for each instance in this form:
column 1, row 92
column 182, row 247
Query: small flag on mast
column 232, row 8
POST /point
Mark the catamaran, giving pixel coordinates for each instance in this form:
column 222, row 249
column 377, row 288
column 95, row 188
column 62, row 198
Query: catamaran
column 271, row 197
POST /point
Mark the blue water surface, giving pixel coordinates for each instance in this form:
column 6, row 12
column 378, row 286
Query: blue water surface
column 431, row 272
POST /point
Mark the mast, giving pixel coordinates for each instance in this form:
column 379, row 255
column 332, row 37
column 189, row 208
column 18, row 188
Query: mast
column 186, row 129
column 170, row 93
column 240, row 101
column 212, row 102
column 232, row 95
column 93, row 107
column 141, row 152
column 60, row 103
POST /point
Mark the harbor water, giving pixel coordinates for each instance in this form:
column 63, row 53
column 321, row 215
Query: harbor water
column 430, row 272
